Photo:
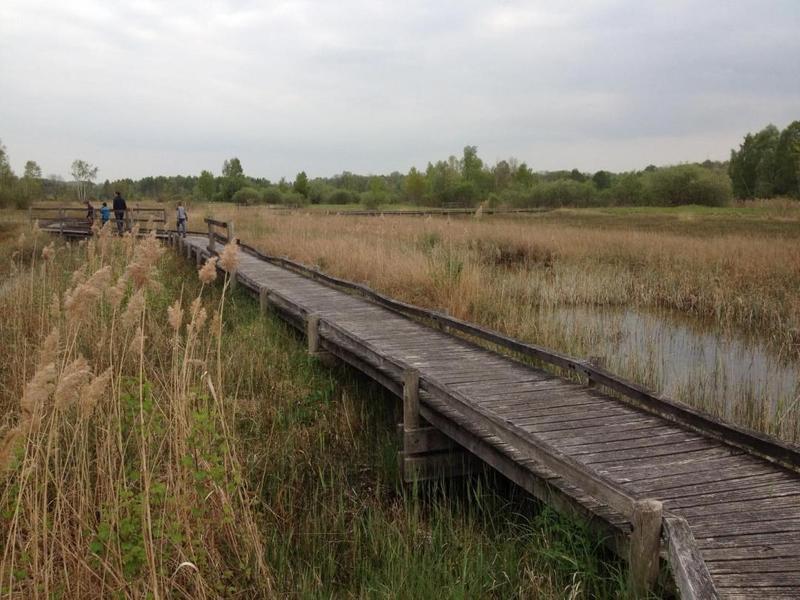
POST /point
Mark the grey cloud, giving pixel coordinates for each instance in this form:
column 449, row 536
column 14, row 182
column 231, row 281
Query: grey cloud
column 147, row 88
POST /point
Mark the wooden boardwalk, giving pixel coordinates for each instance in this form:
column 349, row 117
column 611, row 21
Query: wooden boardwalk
column 743, row 509
column 575, row 446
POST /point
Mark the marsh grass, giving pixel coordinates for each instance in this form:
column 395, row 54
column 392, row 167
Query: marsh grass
column 160, row 466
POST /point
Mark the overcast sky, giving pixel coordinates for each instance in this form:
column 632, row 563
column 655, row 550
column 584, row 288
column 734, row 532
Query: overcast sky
column 168, row 87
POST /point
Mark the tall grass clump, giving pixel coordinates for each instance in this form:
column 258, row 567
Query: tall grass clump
column 119, row 475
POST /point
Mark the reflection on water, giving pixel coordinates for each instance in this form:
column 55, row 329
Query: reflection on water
column 738, row 378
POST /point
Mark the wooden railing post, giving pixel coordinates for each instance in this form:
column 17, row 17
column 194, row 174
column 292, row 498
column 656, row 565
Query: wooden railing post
column 211, row 239
column 61, row 216
column 230, row 231
column 645, row 546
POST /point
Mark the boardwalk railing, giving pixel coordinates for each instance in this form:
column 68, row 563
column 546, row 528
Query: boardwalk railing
column 213, row 234
column 76, row 218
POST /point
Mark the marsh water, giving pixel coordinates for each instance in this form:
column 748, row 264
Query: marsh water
column 739, row 378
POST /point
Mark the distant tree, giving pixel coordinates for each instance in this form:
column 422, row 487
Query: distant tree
column 650, row 168
column 787, row 161
column 205, row 185
column 283, row 185
column 7, row 179
column 5, row 167
column 471, row 164
column 502, row 175
column 524, row 176
column 414, row 186
column 576, row 175
column 301, row 184
column 83, row 173
column 32, row 170
column 232, row 168
column 32, row 179
column 752, row 168
column 602, row 180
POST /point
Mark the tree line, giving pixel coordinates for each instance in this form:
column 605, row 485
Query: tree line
column 766, row 164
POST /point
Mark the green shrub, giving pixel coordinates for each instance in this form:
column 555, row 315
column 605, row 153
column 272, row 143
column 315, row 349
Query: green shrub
column 246, row 195
column 342, row 197
column 687, row 184
column 272, row 196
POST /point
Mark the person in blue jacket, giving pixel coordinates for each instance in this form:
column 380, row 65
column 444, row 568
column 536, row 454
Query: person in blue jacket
column 105, row 213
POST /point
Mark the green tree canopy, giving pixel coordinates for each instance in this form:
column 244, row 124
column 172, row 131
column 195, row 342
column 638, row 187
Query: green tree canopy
column 232, row 168
column 205, row 185
column 301, row 184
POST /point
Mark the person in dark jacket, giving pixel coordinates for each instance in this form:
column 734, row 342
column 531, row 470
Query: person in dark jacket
column 120, row 208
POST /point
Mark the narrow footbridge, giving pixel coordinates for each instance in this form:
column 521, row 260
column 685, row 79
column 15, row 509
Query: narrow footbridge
column 674, row 490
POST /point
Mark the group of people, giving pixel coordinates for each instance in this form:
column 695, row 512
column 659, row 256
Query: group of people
column 119, row 207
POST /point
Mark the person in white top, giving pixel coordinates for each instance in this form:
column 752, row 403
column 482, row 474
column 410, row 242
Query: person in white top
column 182, row 217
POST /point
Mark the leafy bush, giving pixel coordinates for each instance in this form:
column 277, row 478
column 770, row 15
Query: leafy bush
column 687, row 184
column 342, row 197
column 272, row 196
column 246, row 195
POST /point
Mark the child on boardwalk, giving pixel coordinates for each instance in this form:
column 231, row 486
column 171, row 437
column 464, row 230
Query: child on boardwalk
column 181, row 216
column 105, row 213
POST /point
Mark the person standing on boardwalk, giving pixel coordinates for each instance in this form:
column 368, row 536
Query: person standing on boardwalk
column 119, row 211
column 181, row 217
column 89, row 213
column 105, row 213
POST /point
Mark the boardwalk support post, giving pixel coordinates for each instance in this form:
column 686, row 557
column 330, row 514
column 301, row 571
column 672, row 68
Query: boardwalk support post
column 230, row 230
column 411, row 419
column 312, row 333
column 427, row 452
column 61, row 217
column 263, row 299
column 645, row 546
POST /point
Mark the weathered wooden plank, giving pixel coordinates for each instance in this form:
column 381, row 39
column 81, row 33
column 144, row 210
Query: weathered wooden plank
column 750, row 564
column 677, row 487
column 752, row 553
column 732, row 529
column 765, row 593
column 740, row 496
column 751, row 510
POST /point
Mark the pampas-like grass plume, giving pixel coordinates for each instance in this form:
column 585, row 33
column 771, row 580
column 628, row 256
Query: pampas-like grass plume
column 133, row 311
column 208, row 273
column 49, row 251
column 73, row 379
column 175, row 315
column 80, row 301
column 49, row 350
column 229, row 260
column 38, row 390
column 93, row 392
